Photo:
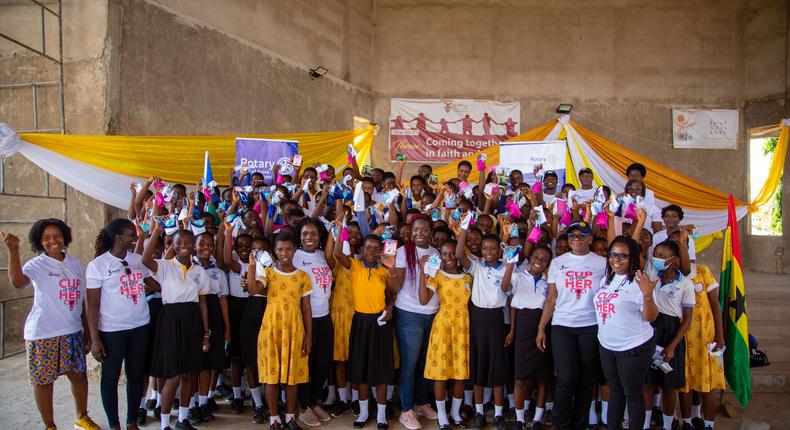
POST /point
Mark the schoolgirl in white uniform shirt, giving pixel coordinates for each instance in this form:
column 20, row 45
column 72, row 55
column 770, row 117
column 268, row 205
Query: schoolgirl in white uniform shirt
column 624, row 308
column 573, row 279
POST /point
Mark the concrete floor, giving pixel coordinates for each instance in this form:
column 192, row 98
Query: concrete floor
column 769, row 407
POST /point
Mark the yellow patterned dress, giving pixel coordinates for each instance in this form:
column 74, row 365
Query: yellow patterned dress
column 341, row 308
column 448, row 347
column 280, row 358
column 703, row 372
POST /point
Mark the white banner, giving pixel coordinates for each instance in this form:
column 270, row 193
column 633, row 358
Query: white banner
column 443, row 130
column 531, row 156
column 705, row 128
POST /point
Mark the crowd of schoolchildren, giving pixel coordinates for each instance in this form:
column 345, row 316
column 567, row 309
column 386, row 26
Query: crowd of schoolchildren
column 482, row 300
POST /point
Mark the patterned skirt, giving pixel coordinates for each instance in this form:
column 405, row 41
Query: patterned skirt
column 49, row 358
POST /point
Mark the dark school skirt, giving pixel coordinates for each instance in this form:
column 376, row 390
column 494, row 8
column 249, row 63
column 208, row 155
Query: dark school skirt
column 236, row 307
column 666, row 327
column 249, row 328
column 370, row 357
column 214, row 359
column 154, row 307
column 178, row 344
column 530, row 362
column 487, row 355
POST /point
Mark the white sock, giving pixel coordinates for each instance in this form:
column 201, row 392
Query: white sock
column 202, row 400
column 354, row 395
column 373, row 394
column 219, row 382
column 593, row 418
column 511, row 400
column 710, row 424
column 256, row 396
column 236, row 392
column 142, row 403
column 288, row 417
column 487, row 391
column 479, row 408
column 442, row 412
column 648, row 416
column 183, row 413
column 668, row 422
column 455, row 409
column 381, row 413
column 210, row 393
column 549, row 406
column 343, row 394
column 520, row 415
column 696, row 411
column 282, row 399
column 274, row 418
column 526, row 405
column 164, row 421
column 539, row 415
column 363, row 411
column 158, row 400
column 331, row 396
column 153, row 394
column 469, row 397
column 498, row 410
column 196, row 399
column 390, row 390
column 656, row 400
column 625, row 414
column 687, row 421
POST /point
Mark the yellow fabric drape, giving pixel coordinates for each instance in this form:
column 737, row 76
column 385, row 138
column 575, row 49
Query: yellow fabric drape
column 180, row 158
column 667, row 184
column 774, row 174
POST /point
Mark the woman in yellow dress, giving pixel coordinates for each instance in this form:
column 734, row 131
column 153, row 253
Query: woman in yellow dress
column 448, row 347
column 285, row 339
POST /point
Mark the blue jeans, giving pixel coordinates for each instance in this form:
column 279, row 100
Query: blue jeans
column 127, row 348
column 414, row 331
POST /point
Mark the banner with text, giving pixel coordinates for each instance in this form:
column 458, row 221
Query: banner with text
column 443, row 130
column 534, row 159
column 260, row 155
column 705, row 128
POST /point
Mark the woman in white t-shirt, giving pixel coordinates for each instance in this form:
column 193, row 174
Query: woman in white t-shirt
column 413, row 323
column 573, row 279
column 624, row 309
column 118, row 317
column 55, row 336
column 310, row 258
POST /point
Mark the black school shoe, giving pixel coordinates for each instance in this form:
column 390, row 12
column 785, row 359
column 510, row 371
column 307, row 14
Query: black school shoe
column 499, row 423
column 382, row 426
column 340, row 409
column 237, row 405
column 260, row 415
column 360, row 424
column 205, row 413
column 537, row 425
column 698, row 423
column 184, row 425
column 518, row 425
column 150, row 404
column 223, row 391
column 276, row 426
column 292, row 425
column 458, row 424
column 467, row 412
column 212, row 405
column 194, row 416
column 142, row 416
column 445, row 427
column 479, row 422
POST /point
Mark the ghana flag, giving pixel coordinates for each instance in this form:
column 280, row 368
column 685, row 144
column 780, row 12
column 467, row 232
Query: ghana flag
column 732, row 295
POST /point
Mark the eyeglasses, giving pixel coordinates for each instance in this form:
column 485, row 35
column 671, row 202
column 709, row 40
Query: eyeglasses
column 126, row 267
column 618, row 255
column 580, row 236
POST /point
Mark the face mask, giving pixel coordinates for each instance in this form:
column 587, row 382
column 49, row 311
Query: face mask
column 659, row 263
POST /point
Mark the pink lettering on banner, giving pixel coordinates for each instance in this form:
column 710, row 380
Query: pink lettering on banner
column 69, row 292
column 578, row 282
column 604, row 305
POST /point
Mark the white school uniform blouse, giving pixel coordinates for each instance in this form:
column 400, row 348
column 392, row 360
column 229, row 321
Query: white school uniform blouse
column 618, row 309
column 673, row 296
column 315, row 265
column 179, row 284
column 58, row 290
column 122, row 305
column 527, row 292
column 487, row 284
column 217, row 278
column 577, row 278
column 234, row 279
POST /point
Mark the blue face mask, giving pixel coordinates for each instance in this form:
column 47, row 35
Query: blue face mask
column 659, row 263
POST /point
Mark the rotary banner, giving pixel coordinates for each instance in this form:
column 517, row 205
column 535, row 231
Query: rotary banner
column 443, row 130
column 705, row 128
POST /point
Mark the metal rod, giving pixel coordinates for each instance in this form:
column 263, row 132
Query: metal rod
column 43, row 33
column 29, row 48
column 35, row 107
column 29, row 84
column 60, row 69
column 45, row 8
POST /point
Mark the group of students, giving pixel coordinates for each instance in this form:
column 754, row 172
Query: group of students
column 322, row 290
